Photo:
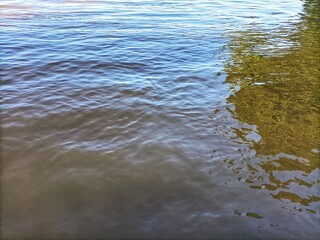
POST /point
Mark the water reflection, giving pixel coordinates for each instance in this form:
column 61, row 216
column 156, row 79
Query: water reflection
column 275, row 78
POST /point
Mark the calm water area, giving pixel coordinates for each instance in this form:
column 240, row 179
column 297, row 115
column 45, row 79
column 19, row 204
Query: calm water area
column 154, row 119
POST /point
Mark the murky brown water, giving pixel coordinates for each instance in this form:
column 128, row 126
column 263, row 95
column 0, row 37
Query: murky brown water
column 160, row 119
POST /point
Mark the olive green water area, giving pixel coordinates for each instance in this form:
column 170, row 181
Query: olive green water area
column 276, row 90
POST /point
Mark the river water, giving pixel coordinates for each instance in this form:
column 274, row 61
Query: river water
column 148, row 119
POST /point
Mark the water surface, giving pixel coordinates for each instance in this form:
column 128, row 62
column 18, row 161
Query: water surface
column 160, row 119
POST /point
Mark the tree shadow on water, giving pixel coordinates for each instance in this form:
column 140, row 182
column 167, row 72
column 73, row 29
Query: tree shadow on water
column 276, row 96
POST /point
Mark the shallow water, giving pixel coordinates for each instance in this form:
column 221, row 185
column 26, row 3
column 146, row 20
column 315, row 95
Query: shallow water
column 160, row 119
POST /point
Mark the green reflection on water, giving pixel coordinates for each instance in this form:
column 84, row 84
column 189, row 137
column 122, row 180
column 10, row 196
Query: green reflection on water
column 277, row 79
